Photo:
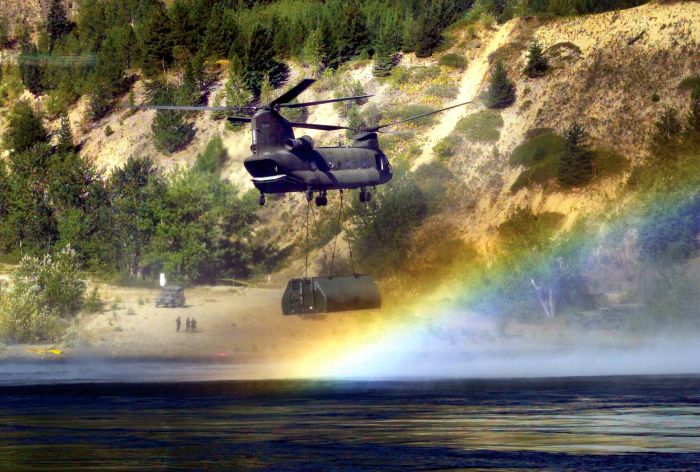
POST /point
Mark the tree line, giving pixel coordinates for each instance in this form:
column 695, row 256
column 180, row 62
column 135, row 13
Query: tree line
column 136, row 220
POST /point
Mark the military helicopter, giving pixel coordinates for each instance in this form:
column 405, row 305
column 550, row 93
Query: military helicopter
column 283, row 163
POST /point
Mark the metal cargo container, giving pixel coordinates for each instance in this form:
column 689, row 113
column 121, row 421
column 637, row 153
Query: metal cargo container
column 330, row 294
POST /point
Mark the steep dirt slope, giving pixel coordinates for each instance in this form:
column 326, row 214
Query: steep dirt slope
column 606, row 69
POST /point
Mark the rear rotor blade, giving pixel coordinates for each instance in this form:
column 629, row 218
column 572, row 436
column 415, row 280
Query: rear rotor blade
column 293, row 92
column 377, row 128
column 183, row 108
column 320, row 127
column 321, row 102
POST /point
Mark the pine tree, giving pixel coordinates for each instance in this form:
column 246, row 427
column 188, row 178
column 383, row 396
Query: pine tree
column 170, row 131
column 221, row 32
column 386, row 46
column 24, row 129
column 427, row 33
column 668, row 128
column 501, row 91
column 313, row 54
column 65, row 137
column 576, row 164
column 351, row 34
column 236, row 92
column 694, row 113
column 259, row 62
column 354, row 120
column 57, row 24
column 537, row 63
column 31, row 70
column 155, row 40
column 4, row 32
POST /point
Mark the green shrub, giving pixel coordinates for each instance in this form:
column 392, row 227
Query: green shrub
column 525, row 231
column 447, row 147
column 483, row 126
column 410, row 111
column 109, row 131
column 690, row 83
column 420, row 74
column 539, row 154
column 609, row 163
column 443, row 91
column 45, row 292
column 453, row 61
column 93, row 302
column 655, row 97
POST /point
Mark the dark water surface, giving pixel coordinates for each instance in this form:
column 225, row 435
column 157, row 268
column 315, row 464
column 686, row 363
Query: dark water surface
column 610, row 423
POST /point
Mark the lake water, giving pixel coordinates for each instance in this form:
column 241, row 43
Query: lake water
column 604, row 423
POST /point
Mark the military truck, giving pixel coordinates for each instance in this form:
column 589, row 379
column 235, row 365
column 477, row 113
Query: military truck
column 171, row 296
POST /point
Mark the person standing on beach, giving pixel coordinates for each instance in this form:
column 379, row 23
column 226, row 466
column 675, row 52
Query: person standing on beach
column 194, row 325
column 187, row 325
column 177, row 323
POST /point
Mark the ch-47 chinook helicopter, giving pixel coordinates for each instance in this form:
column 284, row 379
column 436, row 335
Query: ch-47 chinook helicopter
column 283, row 163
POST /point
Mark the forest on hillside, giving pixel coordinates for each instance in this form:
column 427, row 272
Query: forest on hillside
column 136, row 221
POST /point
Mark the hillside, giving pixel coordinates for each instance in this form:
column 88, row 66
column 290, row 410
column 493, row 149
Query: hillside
column 478, row 211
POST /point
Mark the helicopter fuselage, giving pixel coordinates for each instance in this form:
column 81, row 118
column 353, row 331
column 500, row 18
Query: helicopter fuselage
column 318, row 169
column 282, row 163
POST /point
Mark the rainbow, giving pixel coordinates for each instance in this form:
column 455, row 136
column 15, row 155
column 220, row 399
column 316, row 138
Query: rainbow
column 430, row 336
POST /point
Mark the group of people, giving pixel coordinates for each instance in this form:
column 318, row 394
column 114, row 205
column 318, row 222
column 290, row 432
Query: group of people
column 190, row 325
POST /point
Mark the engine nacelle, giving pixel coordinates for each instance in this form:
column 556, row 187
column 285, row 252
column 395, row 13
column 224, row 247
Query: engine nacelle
column 305, row 143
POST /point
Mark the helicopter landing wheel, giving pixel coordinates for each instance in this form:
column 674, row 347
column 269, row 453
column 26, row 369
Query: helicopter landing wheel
column 309, row 195
column 321, row 201
column 365, row 196
column 261, row 199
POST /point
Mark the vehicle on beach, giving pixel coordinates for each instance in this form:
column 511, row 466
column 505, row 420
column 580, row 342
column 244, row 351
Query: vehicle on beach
column 171, row 296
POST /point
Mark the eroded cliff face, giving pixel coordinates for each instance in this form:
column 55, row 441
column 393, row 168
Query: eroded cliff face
column 607, row 72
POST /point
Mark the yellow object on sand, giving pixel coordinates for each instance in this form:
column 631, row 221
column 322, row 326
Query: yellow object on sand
column 43, row 352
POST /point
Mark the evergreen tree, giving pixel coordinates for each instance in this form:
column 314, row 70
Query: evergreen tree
column 235, row 90
column 259, row 62
column 501, row 91
column 31, row 69
column 189, row 92
column 155, row 40
column 576, row 164
column 387, row 46
column 170, row 131
column 57, row 23
column 537, row 63
column 4, row 32
column 111, row 62
column 65, row 137
column 354, row 120
column 313, row 54
column 694, row 113
column 351, row 35
column 668, row 127
column 221, row 32
column 427, row 33
column 24, row 129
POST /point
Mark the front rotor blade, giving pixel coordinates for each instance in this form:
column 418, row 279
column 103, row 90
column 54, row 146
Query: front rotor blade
column 321, row 102
column 320, row 127
column 293, row 92
column 181, row 108
column 377, row 128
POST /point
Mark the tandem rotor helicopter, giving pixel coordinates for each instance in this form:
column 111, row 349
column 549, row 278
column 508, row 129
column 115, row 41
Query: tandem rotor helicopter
column 283, row 163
